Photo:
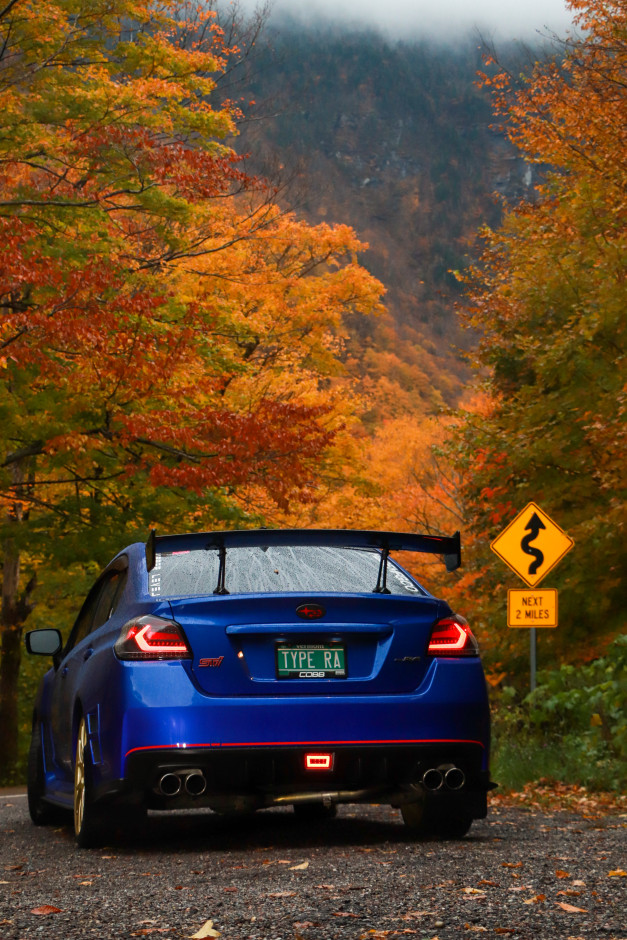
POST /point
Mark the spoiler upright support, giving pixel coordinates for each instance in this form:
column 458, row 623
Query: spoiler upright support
column 151, row 551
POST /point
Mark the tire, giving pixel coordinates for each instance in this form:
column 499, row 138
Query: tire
column 454, row 826
column 41, row 813
column 315, row 812
column 441, row 823
column 415, row 819
column 89, row 824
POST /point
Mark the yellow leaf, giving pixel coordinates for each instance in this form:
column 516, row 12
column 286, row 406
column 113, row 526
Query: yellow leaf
column 205, row 931
column 617, row 873
column 299, row 867
column 495, row 677
column 571, row 908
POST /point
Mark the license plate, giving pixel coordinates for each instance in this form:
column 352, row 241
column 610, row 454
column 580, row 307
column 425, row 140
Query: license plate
column 310, row 661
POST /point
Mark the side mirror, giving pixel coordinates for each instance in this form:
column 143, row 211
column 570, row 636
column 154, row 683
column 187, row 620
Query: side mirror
column 43, row 642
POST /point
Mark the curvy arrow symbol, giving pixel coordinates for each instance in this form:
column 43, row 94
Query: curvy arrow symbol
column 534, row 525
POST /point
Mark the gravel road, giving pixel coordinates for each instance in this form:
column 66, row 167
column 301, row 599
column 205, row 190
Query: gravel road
column 519, row 873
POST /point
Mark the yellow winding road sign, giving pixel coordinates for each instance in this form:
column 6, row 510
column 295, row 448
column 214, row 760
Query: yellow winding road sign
column 532, row 544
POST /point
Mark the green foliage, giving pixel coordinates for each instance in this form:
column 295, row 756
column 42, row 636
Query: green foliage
column 572, row 728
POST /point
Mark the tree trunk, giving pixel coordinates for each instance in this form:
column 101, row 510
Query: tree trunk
column 13, row 613
column 10, row 656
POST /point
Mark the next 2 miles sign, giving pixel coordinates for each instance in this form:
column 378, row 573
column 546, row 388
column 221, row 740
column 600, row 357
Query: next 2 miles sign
column 532, row 608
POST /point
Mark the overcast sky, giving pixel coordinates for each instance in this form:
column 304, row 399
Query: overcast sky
column 503, row 19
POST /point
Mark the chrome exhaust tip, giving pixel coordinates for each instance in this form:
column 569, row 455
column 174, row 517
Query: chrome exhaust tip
column 454, row 778
column 195, row 783
column 170, row 784
column 432, row 779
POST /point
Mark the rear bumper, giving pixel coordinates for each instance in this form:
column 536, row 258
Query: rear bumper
column 250, row 778
column 160, row 708
column 157, row 720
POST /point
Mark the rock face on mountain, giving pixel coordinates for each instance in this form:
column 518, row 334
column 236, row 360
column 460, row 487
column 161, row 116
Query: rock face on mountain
column 397, row 140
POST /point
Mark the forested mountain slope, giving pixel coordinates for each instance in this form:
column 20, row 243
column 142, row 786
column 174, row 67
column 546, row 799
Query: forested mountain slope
column 395, row 139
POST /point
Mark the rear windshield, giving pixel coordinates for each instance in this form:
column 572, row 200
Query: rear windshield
column 275, row 570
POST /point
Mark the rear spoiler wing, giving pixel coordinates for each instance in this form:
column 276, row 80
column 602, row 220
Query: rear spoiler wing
column 448, row 546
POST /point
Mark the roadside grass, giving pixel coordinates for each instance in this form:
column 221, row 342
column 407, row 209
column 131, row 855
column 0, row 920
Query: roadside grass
column 572, row 730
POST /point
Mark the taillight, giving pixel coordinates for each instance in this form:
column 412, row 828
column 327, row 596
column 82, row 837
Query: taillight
column 151, row 637
column 452, row 637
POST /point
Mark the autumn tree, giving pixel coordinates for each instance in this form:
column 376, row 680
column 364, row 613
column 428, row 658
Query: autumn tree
column 153, row 299
column 549, row 300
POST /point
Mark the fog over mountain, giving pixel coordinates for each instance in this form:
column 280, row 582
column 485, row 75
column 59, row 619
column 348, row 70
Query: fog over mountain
column 498, row 19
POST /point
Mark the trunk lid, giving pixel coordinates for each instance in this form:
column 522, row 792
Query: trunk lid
column 260, row 645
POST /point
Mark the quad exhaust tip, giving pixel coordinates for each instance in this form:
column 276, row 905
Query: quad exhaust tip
column 433, row 779
column 170, row 785
column 447, row 775
column 193, row 782
column 454, row 778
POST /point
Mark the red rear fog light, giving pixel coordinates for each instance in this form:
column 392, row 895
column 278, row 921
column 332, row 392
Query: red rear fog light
column 318, row 761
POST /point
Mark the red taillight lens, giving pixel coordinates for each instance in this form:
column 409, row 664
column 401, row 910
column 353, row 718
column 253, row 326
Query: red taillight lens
column 452, row 637
column 152, row 638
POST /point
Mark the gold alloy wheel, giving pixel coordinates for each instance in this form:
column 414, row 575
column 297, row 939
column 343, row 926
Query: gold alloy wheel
column 79, row 777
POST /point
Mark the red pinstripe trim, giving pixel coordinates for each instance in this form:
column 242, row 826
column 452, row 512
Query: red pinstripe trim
column 318, row 744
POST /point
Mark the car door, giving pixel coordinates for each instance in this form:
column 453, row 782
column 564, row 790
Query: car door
column 96, row 610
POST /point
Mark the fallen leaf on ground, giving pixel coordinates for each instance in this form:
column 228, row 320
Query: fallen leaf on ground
column 473, row 891
column 344, row 914
column 45, row 909
column 571, row 908
column 325, row 887
column 617, row 873
column 570, row 893
column 535, row 900
column 205, row 931
column 299, row 867
column 475, row 928
column 230, row 889
column 148, row 930
column 282, row 894
column 511, row 865
column 484, row 881
column 561, row 874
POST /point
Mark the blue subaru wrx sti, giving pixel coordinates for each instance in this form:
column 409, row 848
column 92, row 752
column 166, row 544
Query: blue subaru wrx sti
column 241, row 670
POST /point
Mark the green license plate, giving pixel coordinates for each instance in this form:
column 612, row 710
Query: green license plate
column 310, row 661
